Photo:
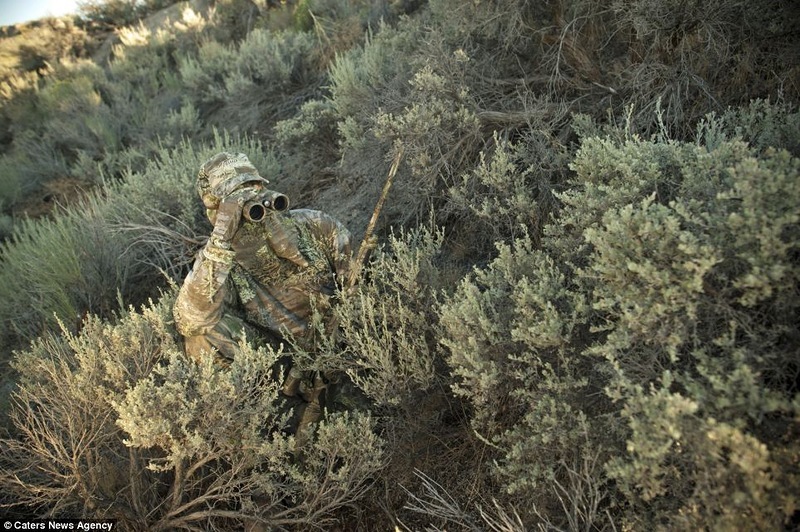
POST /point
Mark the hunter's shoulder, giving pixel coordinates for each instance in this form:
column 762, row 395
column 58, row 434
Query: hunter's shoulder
column 313, row 216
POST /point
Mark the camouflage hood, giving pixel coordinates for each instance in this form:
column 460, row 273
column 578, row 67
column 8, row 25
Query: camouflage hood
column 224, row 173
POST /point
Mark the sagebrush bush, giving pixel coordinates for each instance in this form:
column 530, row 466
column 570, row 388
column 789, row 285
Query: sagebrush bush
column 203, row 75
column 34, row 47
column 670, row 284
column 67, row 117
column 17, row 94
column 385, row 344
column 729, row 270
column 364, row 82
column 12, row 185
column 500, row 199
column 438, row 127
column 79, row 120
column 762, row 124
column 339, row 25
column 307, row 144
column 244, row 86
column 363, row 77
column 233, row 19
column 423, row 84
column 143, row 84
column 709, row 56
column 116, row 422
column 91, row 124
column 511, row 332
column 60, row 269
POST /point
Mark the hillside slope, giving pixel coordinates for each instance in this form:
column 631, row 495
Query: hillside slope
column 582, row 313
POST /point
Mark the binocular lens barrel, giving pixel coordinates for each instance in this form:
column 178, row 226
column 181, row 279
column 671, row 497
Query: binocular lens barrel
column 280, row 202
column 255, row 210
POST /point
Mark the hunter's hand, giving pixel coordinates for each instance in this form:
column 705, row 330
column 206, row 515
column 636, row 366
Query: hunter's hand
column 284, row 240
column 229, row 216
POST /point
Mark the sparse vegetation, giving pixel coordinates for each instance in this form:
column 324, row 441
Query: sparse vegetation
column 582, row 314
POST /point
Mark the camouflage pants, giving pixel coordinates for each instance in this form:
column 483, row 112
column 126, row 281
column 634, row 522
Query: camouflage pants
column 222, row 340
column 314, row 388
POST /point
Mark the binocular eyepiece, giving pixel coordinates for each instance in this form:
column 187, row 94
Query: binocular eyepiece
column 255, row 210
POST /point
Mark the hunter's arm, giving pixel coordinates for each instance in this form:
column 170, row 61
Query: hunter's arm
column 201, row 300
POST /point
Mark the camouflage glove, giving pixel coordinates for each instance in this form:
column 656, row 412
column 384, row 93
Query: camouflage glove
column 284, row 240
column 229, row 216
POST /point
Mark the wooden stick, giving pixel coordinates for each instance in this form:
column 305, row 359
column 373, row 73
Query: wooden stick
column 363, row 249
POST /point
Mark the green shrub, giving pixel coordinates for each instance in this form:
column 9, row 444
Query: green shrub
column 512, row 332
column 232, row 20
column 70, row 120
column 365, row 81
column 764, row 124
column 384, row 349
column 713, row 54
column 673, row 61
column 339, row 25
column 243, row 86
column 203, row 76
column 61, row 268
column 679, row 340
column 438, row 128
column 669, row 283
column 18, row 94
column 142, row 79
column 424, row 84
column 115, row 12
column 501, row 26
column 65, row 385
column 92, row 123
column 86, row 123
column 308, row 149
column 502, row 200
column 117, row 423
column 362, row 77
column 269, row 67
column 35, row 47
column 441, row 119
column 78, row 119
column 386, row 345
column 21, row 174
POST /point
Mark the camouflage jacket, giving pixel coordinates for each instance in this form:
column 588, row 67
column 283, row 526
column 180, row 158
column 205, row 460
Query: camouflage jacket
column 256, row 282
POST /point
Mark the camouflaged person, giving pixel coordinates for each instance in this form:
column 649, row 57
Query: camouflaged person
column 259, row 271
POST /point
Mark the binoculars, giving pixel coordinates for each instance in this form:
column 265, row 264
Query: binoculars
column 255, row 209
